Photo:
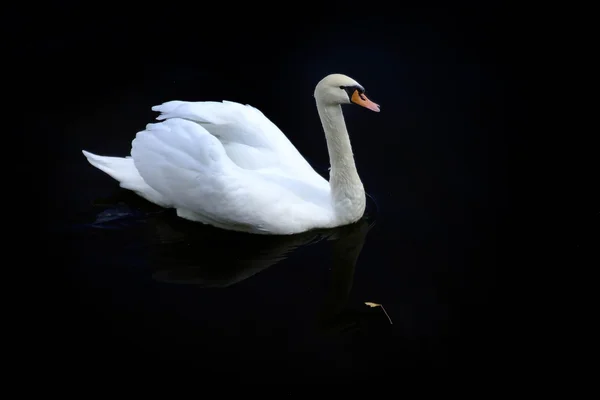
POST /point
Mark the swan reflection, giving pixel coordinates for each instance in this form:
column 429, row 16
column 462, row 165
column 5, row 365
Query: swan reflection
column 229, row 258
column 183, row 252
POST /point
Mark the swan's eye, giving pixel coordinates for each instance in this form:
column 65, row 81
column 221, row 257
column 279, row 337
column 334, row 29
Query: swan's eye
column 351, row 89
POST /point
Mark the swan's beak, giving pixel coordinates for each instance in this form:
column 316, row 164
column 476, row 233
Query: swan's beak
column 362, row 100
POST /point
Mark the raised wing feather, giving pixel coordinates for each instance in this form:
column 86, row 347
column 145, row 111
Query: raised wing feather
column 249, row 138
column 188, row 165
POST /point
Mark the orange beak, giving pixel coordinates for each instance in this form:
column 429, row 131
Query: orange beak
column 362, row 100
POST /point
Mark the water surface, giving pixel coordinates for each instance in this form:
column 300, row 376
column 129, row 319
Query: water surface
column 138, row 286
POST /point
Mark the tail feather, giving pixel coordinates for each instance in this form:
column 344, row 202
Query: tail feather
column 124, row 171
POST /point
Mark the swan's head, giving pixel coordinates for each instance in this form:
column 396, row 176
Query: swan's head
column 341, row 89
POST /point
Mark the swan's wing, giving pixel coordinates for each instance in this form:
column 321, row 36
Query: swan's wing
column 182, row 161
column 188, row 165
column 249, row 138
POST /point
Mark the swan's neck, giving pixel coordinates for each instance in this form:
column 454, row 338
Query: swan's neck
column 347, row 192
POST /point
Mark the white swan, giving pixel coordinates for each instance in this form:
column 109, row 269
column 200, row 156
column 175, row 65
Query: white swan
column 227, row 165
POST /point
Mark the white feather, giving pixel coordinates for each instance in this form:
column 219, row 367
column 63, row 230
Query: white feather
column 124, row 171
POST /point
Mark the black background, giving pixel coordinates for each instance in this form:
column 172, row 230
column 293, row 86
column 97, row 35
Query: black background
column 437, row 161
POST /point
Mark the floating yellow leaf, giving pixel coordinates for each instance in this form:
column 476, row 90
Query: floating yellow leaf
column 371, row 304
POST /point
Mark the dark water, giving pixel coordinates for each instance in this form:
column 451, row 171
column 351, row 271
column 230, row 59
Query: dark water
column 138, row 286
column 146, row 285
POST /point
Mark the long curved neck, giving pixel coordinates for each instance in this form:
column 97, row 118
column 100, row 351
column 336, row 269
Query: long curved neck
column 347, row 192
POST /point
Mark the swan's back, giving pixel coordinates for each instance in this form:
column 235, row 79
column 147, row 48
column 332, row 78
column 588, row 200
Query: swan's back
column 227, row 165
column 250, row 139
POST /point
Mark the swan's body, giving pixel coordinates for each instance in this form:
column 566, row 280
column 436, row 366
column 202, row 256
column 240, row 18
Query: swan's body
column 227, row 165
